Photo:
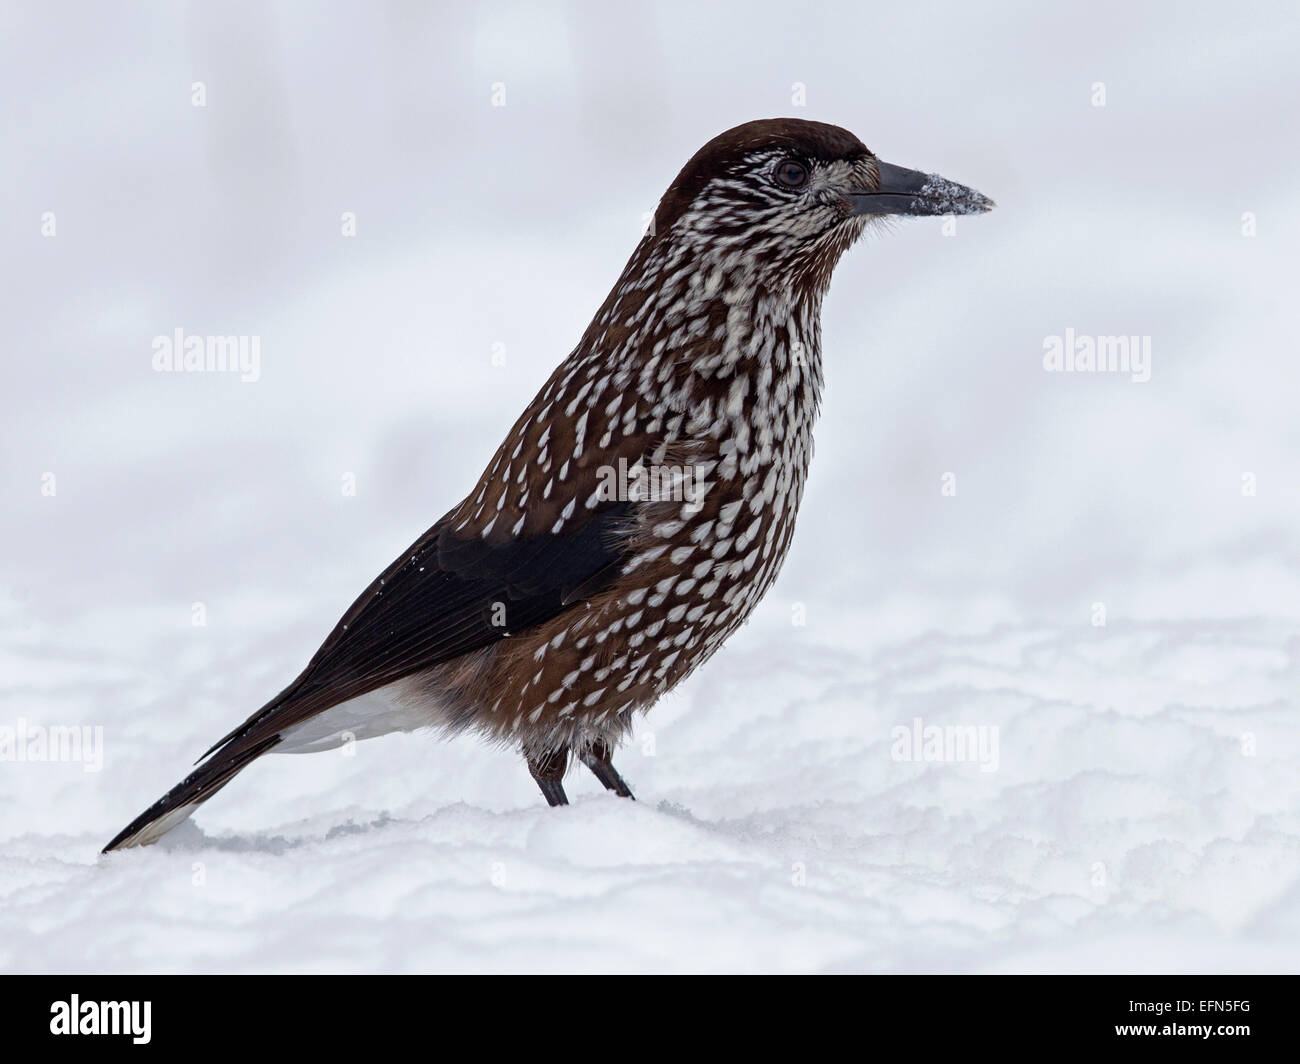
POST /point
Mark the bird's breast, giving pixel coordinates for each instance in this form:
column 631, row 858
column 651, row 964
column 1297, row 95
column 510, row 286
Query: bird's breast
column 708, row 456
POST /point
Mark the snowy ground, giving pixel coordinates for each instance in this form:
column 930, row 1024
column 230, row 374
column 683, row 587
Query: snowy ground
column 1122, row 829
column 1143, row 808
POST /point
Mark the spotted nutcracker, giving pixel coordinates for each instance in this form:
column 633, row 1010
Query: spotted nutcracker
column 638, row 509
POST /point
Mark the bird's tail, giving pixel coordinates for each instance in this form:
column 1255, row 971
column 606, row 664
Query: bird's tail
column 174, row 807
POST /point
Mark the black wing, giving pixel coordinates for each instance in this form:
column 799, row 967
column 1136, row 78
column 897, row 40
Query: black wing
column 445, row 596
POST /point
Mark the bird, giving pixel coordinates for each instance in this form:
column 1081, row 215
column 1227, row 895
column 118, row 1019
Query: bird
column 638, row 509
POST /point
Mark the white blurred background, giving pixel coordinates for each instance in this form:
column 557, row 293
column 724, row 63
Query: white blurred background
column 483, row 228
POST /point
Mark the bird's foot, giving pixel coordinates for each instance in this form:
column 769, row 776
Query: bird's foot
column 548, row 771
column 598, row 759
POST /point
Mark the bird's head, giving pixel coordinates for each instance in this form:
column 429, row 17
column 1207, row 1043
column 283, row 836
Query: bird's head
column 788, row 196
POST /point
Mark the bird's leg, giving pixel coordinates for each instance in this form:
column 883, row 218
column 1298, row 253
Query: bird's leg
column 548, row 771
column 597, row 758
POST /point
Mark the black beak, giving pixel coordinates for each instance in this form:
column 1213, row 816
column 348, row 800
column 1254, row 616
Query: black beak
column 912, row 192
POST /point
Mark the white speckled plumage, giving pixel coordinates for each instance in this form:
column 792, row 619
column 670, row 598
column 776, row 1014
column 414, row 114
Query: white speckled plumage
column 548, row 607
column 707, row 356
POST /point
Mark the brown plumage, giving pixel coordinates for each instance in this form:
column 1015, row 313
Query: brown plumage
column 638, row 509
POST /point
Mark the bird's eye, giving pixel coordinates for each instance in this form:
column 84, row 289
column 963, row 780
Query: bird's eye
column 791, row 173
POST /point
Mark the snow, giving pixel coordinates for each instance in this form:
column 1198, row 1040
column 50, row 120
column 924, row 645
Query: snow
column 1102, row 589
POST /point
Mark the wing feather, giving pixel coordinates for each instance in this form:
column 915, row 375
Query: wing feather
column 447, row 595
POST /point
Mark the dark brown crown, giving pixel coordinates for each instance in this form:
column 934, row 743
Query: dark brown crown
column 815, row 141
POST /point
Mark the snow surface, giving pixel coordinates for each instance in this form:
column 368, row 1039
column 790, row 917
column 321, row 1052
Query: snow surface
column 1144, row 813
